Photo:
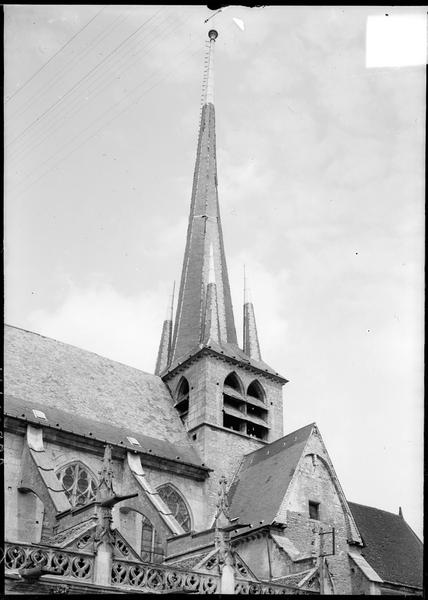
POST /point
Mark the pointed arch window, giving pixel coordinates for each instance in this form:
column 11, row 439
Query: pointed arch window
column 141, row 535
column 176, row 504
column 80, row 485
column 182, row 399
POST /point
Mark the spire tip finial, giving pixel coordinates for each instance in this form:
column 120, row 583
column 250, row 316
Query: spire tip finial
column 213, row 34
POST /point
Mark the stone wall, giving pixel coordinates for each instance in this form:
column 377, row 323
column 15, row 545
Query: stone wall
column 13, row 447
column 315, row 481
column 25, row 511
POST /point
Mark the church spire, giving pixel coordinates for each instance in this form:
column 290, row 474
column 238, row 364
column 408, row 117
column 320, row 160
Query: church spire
column 204, row 232
column 251, row 339
column 164, row 353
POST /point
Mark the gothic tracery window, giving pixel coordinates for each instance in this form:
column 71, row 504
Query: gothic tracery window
column 176, row 504
column 78, row 482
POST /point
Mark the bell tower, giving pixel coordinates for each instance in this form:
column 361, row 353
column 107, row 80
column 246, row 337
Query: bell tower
column 228, row 398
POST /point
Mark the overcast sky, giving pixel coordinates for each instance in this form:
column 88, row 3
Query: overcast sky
column 321, row 186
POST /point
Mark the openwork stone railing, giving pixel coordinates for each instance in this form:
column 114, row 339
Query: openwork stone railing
column 251, row 587
column 66, row 564
column 146, row 577
column 157, row 578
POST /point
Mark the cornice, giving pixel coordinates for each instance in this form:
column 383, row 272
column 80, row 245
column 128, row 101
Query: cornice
column 82, row 442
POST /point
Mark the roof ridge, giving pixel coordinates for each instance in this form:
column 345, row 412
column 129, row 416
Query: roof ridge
column 379, row 509
column 281, row 438
column 46, row 337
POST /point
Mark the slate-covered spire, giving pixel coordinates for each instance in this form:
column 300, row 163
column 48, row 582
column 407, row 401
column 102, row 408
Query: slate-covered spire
column 204, row 231
column 164, row 353
column 251, row 339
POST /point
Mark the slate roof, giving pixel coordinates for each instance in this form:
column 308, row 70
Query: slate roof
column 293, row 580
column 264, row 476
column 390, row 545
column 104, row 432
column 88, row 386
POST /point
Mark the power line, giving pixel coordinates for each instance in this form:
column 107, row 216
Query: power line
column 82, row 79
column 56, row 54
column 47, row 86
column 102, row 126
column 61, row 118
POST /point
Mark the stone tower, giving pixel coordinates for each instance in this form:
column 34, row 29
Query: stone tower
column 228, row 398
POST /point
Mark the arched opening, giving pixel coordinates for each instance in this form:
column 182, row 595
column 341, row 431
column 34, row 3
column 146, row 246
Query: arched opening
column 141, row 535
column 255, row 390
column 255, row 400
column 233, row 403
column 232, row 381
column 175, row 502
column 245, row 413
column 31, row 512
column 182, row 399
column 79, row 483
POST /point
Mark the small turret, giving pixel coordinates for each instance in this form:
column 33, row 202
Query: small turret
column 164, row 353
column 251, row 345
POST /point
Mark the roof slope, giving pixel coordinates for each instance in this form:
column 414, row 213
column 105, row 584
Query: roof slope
column 110, row 433
column 57, row 375
column 264, row 476
column 391, row 546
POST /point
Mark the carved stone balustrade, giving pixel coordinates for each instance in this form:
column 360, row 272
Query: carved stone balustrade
column 77, row 568
column 252, row 587
column 68, row 565
column 157, row 578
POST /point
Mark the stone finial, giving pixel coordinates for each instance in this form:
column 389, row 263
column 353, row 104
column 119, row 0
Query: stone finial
column 222, row 503
column 105, row 485
column 225, row 555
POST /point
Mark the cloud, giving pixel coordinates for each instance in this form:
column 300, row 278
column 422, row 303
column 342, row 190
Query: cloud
column 102, row 320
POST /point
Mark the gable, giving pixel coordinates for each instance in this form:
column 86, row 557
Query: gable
column 260, row 485
column 315, row 482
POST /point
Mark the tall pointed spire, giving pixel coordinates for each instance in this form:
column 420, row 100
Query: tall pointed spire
column 164, row 352
column 204, row 231
column 251, row 340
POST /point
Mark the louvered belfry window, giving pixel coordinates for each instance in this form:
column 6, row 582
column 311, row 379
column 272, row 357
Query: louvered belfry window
column 176, row 505
column 78, row 482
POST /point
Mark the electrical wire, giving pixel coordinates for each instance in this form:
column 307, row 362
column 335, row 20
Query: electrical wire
column 46, row 86
column 82, row 79
column 56, row 54
column 102, row 126
column 76, row 103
